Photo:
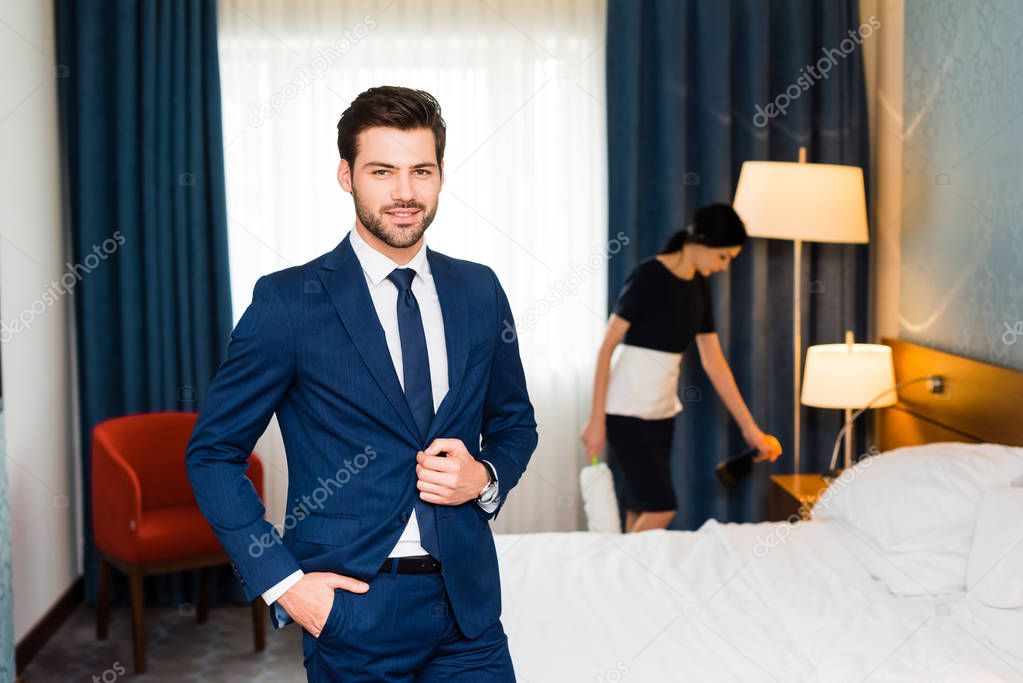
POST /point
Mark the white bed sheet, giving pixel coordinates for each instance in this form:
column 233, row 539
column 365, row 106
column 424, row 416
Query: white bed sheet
column 728, row 602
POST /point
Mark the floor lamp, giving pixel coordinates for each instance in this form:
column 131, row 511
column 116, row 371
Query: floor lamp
column 804, row 203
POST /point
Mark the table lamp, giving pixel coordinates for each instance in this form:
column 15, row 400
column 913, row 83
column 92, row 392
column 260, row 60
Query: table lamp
column 851, row 377
column 801, row 202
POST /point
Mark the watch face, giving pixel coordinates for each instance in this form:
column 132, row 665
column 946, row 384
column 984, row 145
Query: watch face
column 489, row 493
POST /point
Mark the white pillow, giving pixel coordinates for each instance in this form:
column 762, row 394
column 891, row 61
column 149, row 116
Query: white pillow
column 994, row 573
column 914, row 509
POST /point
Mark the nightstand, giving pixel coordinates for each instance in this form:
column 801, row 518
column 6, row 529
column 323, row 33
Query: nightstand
column 793, row 495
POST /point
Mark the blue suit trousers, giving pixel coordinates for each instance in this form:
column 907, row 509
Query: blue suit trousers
column 402, row 629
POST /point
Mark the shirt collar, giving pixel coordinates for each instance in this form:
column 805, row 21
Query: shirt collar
column 378, row 266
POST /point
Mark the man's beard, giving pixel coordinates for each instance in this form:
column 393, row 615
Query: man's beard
column 394, row 236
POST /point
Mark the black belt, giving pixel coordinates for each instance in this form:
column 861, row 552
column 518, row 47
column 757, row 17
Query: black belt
column 420, row 564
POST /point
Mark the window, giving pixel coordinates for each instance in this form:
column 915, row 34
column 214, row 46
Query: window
column 521, row 85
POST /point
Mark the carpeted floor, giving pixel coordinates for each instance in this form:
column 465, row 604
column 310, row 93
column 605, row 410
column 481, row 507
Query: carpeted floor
column 179, row 650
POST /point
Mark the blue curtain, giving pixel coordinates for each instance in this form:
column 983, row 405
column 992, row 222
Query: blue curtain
column 684, row 82
column 140, row 119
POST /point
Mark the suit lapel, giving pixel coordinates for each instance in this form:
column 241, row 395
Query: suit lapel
column 342, row 277
column 345, row 283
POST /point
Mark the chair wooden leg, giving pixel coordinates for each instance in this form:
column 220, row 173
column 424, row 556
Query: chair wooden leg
column 202, row 612
column 138, row 620
column 259, row 618
column 103, row 600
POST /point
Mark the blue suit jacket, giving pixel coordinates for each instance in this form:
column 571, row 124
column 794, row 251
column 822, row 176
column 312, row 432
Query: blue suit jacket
column 311, row 348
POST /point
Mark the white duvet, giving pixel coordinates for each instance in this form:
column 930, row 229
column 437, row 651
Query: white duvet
column 728, row 602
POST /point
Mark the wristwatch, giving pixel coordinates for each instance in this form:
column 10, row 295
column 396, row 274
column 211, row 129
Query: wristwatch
column 490, row 492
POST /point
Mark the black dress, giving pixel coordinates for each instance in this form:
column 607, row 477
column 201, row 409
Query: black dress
column 665, row 313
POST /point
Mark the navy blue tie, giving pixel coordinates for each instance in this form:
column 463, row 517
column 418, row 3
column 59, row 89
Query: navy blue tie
column 418, row 388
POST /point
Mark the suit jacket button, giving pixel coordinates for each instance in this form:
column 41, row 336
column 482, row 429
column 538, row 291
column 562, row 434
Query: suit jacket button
column 404, row 518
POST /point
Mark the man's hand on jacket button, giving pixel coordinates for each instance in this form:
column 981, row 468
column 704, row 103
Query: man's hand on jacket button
column 452, row 479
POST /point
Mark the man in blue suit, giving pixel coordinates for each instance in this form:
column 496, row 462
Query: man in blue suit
column 395, row 374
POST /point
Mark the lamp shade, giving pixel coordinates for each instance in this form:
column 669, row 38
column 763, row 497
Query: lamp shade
column 799, row 201
column 849, row 376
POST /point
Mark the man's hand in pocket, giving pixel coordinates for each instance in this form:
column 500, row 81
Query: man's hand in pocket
column 308, row 602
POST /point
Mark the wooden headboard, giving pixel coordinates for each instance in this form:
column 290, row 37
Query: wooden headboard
column 981, row 402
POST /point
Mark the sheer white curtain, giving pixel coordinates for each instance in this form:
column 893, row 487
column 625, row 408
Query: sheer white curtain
column 521, row 84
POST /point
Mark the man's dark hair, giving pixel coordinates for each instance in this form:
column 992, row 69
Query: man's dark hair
column 392, row 106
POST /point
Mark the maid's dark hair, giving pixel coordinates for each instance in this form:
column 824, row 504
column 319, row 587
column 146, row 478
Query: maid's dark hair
column 714, row 225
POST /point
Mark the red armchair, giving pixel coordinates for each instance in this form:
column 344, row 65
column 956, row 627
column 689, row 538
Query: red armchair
column 145, row 518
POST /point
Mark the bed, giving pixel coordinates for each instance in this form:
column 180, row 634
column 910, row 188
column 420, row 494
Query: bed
column 803, row 601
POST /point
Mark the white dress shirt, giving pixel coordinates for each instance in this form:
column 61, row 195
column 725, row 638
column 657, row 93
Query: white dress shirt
column 384, row 293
